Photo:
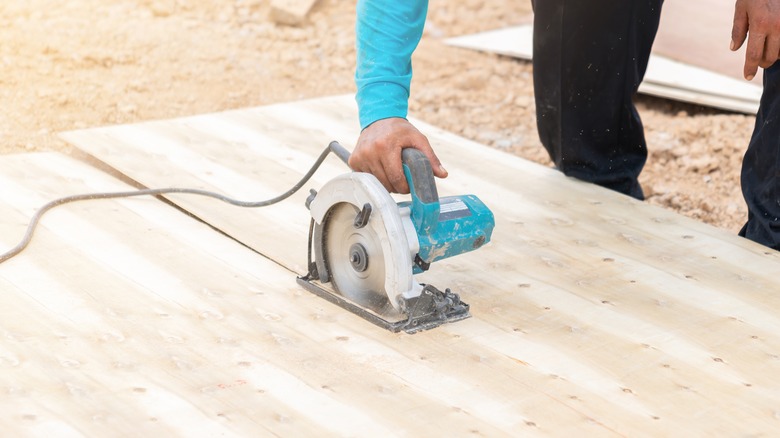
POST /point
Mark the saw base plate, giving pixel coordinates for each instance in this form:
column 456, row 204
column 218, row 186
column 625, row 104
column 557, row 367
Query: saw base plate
column 431, row 309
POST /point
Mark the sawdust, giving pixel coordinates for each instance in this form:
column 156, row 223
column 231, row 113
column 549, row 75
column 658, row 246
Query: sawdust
column 88, row 63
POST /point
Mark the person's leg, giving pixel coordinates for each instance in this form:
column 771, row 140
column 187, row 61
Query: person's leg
column 589, row 58
column 761, row 167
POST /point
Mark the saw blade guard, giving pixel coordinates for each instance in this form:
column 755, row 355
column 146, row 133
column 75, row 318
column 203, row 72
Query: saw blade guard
column 385, row 221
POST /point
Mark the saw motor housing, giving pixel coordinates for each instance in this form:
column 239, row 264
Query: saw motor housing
column 444, row 227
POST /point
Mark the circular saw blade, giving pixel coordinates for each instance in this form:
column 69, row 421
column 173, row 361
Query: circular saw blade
column 355, row 259
column 388, row 242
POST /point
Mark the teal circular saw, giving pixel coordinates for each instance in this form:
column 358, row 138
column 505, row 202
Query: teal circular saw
column 364, row 247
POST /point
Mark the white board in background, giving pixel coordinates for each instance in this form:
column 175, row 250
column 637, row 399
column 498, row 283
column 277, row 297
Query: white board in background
column 664, row 78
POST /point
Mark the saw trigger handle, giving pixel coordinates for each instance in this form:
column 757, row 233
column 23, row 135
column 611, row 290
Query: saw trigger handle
column 422, row 186
column 419, row 175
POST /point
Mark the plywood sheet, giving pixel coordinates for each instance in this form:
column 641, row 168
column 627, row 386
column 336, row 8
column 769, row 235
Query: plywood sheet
column 698, row 32
column 128, row 318
column 592, row 313
column 667, row 77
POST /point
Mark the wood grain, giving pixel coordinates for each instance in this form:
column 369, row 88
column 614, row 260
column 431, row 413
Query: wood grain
column 592, row 313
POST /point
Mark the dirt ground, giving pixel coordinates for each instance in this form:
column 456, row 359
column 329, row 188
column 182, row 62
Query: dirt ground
column 86, row 63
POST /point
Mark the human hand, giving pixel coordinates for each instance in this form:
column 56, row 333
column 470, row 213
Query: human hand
column 759, row 22
column 378, row 151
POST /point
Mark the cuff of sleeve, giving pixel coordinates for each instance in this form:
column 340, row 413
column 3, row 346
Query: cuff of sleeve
column 381, row 100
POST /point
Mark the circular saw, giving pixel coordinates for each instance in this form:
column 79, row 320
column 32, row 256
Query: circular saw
column 364, row 247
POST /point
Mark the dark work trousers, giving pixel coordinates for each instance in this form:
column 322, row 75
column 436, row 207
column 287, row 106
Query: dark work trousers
column 589, row 59
column 761, row 167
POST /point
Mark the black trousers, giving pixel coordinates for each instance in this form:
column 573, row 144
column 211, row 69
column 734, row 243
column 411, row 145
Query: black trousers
column 589, row 58
column 761, row 167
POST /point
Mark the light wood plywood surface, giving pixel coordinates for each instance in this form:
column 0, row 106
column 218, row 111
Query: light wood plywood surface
column 592, row 312
column 128, row 318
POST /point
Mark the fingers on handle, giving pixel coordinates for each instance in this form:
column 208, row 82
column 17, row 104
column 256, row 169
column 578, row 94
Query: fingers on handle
column 438, row 169
column 395, row 174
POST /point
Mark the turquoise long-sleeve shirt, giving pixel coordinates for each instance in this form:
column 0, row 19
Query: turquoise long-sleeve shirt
column 387, row 33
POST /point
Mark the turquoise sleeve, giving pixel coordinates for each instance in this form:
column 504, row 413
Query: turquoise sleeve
column 387, row 33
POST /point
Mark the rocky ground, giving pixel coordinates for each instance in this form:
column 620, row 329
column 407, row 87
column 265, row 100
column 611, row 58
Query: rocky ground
column 87, row 63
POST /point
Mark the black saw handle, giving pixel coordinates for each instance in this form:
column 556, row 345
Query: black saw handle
column 419, row 175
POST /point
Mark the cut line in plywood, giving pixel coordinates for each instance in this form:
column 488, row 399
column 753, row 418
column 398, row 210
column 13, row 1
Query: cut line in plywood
column 665, row 77
column 592, row 312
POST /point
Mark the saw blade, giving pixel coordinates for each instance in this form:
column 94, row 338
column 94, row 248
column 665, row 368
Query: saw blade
column 355, row 259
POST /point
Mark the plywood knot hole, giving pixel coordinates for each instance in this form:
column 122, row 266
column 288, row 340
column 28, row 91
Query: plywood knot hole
column 562, row 222
column 245, row 363
column 608, row 259
column 627, row 390
column 271, row 317
column 70, row 363
column 754, row 337
column 687, row 236
column 236, row 383
column 139, row 390
column 719, row 360
column 342, row 338
column 547, row 308
column 530, row 424
column 689, row 277
column 749, row 385
column 211, row 314
column 523, row 285
column 655, row 417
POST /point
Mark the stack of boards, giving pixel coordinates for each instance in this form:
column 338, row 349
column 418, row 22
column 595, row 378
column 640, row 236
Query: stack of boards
column 592, row 314
column 691, row 61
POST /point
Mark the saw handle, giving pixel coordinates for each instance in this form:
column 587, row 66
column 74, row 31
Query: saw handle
column 422, row 186
column 419, row 175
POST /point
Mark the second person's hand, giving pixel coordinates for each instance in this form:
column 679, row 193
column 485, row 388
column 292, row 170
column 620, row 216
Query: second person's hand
column 758, row 21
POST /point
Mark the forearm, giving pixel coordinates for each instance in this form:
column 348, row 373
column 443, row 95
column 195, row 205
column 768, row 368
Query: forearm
column 388, row 32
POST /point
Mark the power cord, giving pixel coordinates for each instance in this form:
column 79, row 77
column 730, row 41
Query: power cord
column 334, row 147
